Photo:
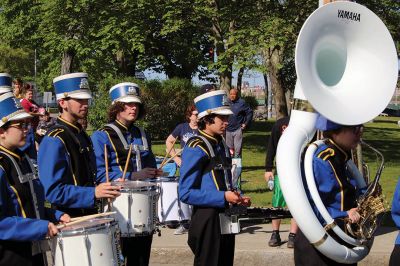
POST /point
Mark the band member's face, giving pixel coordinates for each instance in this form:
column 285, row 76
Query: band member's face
column 77, row 108
column 349, row 137
column 219, row 126
column 130, row 113
column 14, row 136
column 193, row 117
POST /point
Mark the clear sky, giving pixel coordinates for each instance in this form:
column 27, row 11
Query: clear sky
column 254, row 78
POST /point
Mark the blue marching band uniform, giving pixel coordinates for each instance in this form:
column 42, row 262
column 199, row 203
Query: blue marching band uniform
column 66, row 160
column 24, row 218
column 395, row 256
column 204, row 178
column 118, row 137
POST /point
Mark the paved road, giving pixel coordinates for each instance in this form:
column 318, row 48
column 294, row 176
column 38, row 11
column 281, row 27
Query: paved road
column 252, row 248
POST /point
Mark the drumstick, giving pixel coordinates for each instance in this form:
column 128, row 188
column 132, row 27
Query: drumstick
column 107, row 177
column 168, row 152
column 84, row 218
column 127, row 161
column 89, row 216
column 170, row 159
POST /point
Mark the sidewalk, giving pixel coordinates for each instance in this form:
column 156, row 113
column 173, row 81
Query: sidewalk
column 252, row 248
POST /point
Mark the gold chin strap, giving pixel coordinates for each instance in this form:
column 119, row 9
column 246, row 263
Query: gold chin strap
column 303, row 105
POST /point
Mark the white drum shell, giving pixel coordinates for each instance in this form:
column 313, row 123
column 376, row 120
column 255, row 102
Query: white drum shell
column 170, row 209
column 96, row 245
column 136, row 210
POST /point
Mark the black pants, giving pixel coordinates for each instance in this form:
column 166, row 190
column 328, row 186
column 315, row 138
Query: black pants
column 136, row 250
column 307, row 255
column 18, row 253
column 395, row 256
column 209, row 247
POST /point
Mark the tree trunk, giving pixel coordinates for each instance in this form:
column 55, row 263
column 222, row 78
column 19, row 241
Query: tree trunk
column 273, row 59
column 267, row 105
column 239, row 79
column 126, row 63
column 66, row 62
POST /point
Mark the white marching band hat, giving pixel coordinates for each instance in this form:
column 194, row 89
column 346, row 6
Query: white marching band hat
column 126, row 92
column 74, row 85
column 5, row 83
column 11, row 109
column 213, row 102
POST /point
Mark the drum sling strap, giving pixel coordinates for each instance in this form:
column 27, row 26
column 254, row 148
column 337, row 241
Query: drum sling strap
column 26, row 178
column 213, row 161
column 136, row 148
column 37, row 246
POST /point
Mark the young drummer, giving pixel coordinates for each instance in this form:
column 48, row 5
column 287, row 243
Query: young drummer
column 118, row 135
column 66, row 159
column 206, row 182
column 21, row 193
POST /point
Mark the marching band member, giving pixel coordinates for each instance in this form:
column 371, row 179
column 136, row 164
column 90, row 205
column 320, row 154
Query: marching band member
column 337, row 190
column 118, row 135
column 21, row 195
column 206, row 183
column 66, row 159
column 395, row 256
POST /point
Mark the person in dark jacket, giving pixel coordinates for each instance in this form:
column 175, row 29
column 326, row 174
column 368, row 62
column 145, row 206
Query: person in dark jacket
column 277, row 200
column 237, row 122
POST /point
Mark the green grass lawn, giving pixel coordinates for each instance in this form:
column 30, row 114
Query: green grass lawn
column 383, row 133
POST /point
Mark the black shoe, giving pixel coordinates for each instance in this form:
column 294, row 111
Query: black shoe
column 275, row 239
column 291, row 238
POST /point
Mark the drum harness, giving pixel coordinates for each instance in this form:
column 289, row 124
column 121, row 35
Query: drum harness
column 37, row 246
column 137, row 148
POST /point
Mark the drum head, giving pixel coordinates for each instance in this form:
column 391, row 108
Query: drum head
column 163, row 179
column 134, row 185
column 86, row 225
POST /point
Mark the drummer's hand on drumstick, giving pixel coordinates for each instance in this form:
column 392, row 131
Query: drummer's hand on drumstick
column 65, row 218
column 146, row 173
column 51, row 230
column 245, row 201
column 232, row 197
column 106, row 190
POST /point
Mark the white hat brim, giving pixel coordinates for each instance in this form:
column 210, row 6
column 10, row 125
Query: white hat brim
column 75, row 95
column 128, row 99
column 219, row 111
column 20, row 116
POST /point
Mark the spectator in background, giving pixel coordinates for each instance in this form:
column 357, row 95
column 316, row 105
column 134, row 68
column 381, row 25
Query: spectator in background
column 277, row 200
column 30, row 105
column 18, row 85
column 238, row 122
column 183, row 132
column 45, row 123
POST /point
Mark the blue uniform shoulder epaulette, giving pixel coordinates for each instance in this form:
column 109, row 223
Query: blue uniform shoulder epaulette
column 326, row 153
column 196, row 141
column 55, row 132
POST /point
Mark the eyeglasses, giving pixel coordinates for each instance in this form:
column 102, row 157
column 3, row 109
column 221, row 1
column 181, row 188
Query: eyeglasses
column 22, row 125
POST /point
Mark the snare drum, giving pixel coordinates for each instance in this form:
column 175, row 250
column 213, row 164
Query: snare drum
column 93, row 242
column 170, row 209
column 136, row 208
